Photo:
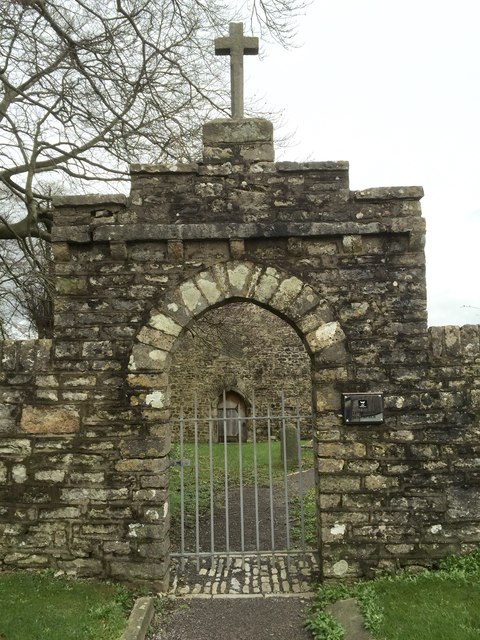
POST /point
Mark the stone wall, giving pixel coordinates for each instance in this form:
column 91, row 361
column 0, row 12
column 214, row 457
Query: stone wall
column 86, row 420
column 406, row 493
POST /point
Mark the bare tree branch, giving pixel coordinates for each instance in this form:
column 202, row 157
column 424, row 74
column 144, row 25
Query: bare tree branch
column 87, row 86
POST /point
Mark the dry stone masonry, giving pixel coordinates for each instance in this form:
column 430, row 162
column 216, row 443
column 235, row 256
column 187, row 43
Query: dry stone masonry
column 85, row 418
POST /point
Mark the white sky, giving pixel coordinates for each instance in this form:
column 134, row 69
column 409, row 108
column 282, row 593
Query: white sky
column 394, row 88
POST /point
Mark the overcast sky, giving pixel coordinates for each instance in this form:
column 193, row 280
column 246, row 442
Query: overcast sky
column 394, row 88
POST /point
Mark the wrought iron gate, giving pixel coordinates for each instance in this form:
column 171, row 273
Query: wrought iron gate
column 242, row 498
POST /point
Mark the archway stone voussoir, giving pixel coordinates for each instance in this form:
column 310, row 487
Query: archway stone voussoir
column 320, row 315
column 255, row 274
column 267, row 285
column 209, row 287
column 172, row 306
column 325, row 336
column 305, row 302
column 287, row 292
column 219, row 274
column 146, row 358
column 238, row 274
column 156, row 338
column 192, row 297
column 164, row 323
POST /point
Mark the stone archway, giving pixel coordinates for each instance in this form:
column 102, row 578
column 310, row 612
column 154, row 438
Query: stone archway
column 281, row 293
column 277, row 291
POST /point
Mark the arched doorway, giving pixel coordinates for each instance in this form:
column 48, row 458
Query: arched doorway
column 231, row 417
column 287, row 298
column 243, row 429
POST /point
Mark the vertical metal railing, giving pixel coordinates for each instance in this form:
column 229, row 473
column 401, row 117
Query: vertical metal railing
column 255, row 478
column 270, row 478
column 182, row 490
column 197, row 484
column 283, row 444
column 240, row 479
column 301, row 492
column 227, row 518
column 212, row 495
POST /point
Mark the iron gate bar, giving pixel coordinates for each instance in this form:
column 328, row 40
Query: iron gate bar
column 270, row 479
column 182, row 492
column 212, row 500
column 285, row 472
column 227, row 518
column 300, row 485
column 240, row 477
column 255, row 480
column 197, row 496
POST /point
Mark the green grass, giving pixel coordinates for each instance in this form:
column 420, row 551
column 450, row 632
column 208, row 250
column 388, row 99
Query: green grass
column 443, row 607
column 431, row 605
column 37, row 606
column 233, row 463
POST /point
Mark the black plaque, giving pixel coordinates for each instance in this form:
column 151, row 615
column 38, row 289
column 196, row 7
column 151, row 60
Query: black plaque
column 362, row 408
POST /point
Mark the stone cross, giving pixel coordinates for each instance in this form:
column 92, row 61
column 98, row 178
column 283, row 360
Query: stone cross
column 236, row 45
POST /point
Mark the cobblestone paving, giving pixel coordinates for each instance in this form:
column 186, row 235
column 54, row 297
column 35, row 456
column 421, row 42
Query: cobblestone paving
column 234, row 576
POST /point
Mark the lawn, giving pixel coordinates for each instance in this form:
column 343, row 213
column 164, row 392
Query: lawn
column 431, row 605
column 38, row 606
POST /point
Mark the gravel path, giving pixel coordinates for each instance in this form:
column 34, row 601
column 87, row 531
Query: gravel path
column 239, row 618
column 235, row 619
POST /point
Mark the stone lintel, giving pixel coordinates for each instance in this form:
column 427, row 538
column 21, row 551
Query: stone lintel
column 222, row 231
column 90, row 200
column 389, row 193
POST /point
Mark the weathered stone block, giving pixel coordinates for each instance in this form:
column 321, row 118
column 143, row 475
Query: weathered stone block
column 93, row 494
column 145, row 447
column 145, row 465
column 146, row 571
column 218, row 132
column 49, row 420
column 17, row 447
column 336, row 483
column 55, row 475
column 147, row 358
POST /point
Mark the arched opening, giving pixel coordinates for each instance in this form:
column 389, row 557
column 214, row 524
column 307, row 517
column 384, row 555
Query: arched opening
column 156, row 376
column 240, row 395
column 243, row 349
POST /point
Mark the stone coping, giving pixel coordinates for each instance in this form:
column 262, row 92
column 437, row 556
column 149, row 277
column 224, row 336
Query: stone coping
column 88, row 200
column 283, row 167
column 243, row 230
column 227, row 230
column 389, row 193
